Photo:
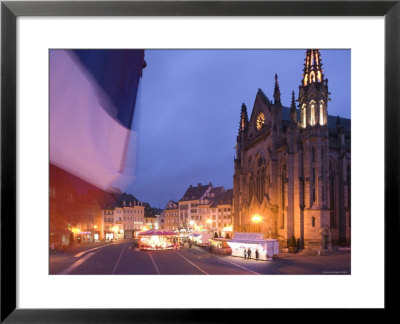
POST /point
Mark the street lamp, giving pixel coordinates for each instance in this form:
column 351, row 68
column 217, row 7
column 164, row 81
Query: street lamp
column 209, row 221
column 256, row 219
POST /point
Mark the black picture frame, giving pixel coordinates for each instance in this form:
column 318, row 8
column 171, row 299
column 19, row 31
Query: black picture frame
column 10, row 10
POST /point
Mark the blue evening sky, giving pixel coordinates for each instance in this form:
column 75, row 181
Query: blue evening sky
column 187, row 115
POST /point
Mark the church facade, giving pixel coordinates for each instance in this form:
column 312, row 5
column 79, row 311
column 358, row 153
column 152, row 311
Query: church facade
column 292, row 174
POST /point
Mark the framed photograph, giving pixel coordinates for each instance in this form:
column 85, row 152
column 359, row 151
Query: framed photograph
column 164, row 159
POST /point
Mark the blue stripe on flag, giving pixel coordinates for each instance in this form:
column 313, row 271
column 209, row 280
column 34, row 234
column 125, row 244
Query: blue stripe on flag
column 118, row 73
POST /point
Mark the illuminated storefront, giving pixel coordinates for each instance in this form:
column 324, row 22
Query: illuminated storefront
column 158, row 240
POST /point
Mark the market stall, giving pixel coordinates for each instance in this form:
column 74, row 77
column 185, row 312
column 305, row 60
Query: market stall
column 158, row 240
column 201, row 239
column 252, row 242
column 220, row 246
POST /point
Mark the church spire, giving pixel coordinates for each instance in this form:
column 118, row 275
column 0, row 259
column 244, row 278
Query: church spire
column 313, row 92
column 313, row 72
column 244, row 120
column 293, row 111
column 277, row 92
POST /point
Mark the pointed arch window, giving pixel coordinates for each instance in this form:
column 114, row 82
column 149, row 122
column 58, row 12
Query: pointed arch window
column 260, row 183
column 283, row 193
column 312, row 118
column 321, row 113
column 303, row 116
column 332, row 195
column 251, row 188
column 312, row 77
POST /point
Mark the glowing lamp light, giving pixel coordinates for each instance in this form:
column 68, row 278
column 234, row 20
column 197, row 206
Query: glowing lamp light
column 209, row 221
column 256, row 219
column 95, row 226
column 191, row 222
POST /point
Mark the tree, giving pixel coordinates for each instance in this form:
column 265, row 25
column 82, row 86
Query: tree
column 227, row 236
column 292, row 242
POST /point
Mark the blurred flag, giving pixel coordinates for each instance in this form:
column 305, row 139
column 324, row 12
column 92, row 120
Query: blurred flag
column 92, row 101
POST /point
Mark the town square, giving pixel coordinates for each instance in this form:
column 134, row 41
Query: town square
column 139, row 186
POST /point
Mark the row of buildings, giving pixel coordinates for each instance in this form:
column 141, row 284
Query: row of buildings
column 201, row 207
column 80, row 212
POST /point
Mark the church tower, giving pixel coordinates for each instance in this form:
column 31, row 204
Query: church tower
column 239, row 176
column 314, row 138
column 313, row 92
column 291, row 169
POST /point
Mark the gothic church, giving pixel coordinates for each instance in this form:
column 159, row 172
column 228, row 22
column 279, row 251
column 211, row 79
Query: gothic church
column 292, row 166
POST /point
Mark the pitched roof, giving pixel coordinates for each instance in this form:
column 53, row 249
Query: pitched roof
column 171, row 205
column 148, row 211
column 194, row 193
column 223, row 198
column 126, row 197
column 217, row 190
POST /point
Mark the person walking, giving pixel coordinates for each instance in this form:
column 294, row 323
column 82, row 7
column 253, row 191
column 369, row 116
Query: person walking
column 244, row 252
column 249, row 253
column 256, row 254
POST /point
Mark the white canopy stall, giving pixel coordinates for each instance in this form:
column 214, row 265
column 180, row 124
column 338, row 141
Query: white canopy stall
column 255, row 241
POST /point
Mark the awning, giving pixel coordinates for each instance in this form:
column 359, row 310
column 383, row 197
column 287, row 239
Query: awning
column 157, row 232
column 248, row 241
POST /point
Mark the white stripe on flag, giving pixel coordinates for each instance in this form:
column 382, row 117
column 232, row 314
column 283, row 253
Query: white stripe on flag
column 84, row 139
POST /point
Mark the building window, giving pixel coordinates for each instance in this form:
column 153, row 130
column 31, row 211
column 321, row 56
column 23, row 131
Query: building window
column 312, row 121
column 321, row 113
column 283, row 186
column 260, row 184
column 313, row 197
column 313, row 221
column 283, row 194
column 332, row 205
column 303, row 116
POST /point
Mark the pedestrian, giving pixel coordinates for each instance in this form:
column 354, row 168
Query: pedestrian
column 244, row 252
column 249, row 253
column 256, row 254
